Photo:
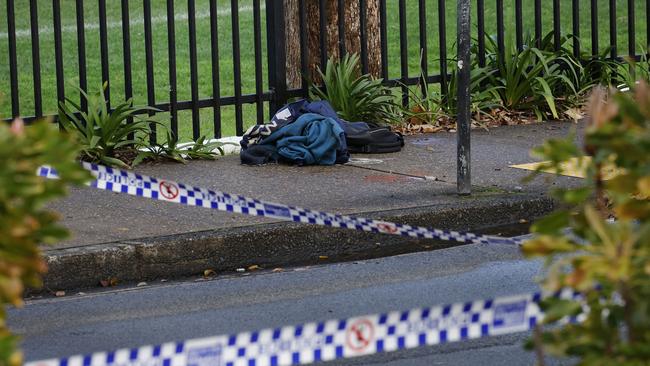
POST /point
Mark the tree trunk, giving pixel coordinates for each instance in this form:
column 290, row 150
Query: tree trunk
column 352, row 36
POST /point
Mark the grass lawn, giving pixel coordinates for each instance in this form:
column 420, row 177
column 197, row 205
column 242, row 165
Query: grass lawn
column 159, row 27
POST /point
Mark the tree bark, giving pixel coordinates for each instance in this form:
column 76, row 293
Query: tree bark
column 352, row 36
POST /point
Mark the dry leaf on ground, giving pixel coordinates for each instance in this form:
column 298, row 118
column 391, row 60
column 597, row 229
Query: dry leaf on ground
column 209, row 273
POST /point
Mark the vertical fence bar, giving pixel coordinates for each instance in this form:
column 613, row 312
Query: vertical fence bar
column 480, row 12
column 595, row 48
column 304, row 51
column 81, row 52
column 424, row 67
column 383, row 30
column 363, row 27
column 194, row 77
column 126, row 50
column 612, row 28
column 13, row 60
column 519, row 26
column 501, row 33
column 216, row 81
column 538, row 23
column 631, row 30
column 36, row 58
column 148, row 53
column 403, row 50
column 464, row 185
column 557, row 32
column 576, row 29
column 257, row 40
column 341, row 26
column 171, row 50
column 442, row 36
column 103, row 42
column 58, row 50
column 322, row 18
column 236, row 64
column 277, row 53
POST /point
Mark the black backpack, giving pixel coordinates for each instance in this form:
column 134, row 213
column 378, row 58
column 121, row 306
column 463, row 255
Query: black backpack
column 377, row 140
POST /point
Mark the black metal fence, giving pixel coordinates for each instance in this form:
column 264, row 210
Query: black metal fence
column 186, row 54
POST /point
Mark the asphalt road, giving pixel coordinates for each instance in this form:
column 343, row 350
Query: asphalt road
column 156, row 313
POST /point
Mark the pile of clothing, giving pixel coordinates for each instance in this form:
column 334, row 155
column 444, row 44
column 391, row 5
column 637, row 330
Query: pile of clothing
column 305, row 133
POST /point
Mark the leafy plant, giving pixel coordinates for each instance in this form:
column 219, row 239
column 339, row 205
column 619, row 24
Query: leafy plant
column 606, row 258
column 598, row 70
column 356, row 97
column 428, row 105
column 483, row 94
column 24, row 223
column 171, row 150
column 100, row 131
column 631, row 71
column 526, row 79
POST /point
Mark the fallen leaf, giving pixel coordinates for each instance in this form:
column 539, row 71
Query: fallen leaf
column 59, row 293
column 574, row 113
column 209, row 273
column 109, row 282
column 140, row 284
column 323, row 257
column 254, row 267
column 278, row 269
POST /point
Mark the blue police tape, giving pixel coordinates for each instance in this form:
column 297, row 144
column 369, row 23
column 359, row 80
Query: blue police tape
column 335, row 339
column 122, row 181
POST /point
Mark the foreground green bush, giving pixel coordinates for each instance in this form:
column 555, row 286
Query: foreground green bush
column 24, row 223
column 606, row 257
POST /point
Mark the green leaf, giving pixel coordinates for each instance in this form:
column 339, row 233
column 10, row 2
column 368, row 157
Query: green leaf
column 552, row 224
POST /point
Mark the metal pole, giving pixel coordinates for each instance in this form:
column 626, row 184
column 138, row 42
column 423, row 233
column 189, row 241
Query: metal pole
column 464, row 99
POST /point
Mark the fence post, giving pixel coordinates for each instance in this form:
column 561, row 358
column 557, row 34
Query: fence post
column 464, row 184
column 277, row 53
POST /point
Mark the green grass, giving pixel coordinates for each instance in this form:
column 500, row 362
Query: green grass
column 71, row 68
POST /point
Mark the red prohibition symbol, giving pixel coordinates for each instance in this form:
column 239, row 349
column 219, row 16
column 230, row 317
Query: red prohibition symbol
column 359, row 335
column 168, row 190
column 387, row 228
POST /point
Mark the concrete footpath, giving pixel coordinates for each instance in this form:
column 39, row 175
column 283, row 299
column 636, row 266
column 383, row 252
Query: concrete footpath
column 134, row 239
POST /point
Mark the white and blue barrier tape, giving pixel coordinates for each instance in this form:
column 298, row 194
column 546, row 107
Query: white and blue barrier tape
column 317, row 341
column 122, row 181
column 335, row 339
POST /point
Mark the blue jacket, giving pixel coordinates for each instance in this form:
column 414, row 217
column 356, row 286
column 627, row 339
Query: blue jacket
column 311, row 139
column 262, row 144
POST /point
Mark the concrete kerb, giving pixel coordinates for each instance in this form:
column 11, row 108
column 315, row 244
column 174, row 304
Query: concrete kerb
column 272, row 245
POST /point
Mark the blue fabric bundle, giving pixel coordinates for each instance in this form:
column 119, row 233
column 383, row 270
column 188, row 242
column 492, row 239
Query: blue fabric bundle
column 302, row 133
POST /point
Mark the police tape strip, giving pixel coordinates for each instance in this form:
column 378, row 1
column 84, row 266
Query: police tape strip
column 122, row 181
column 335, row 339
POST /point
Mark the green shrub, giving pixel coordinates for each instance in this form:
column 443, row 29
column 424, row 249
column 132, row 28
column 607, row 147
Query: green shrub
column 631, row 71
column 102, row 132
column 356, row 97
column 607, row 261
column 484, row 95
column 530, row 79
column 429, row 105
column 199, row 149
column 24, row 223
